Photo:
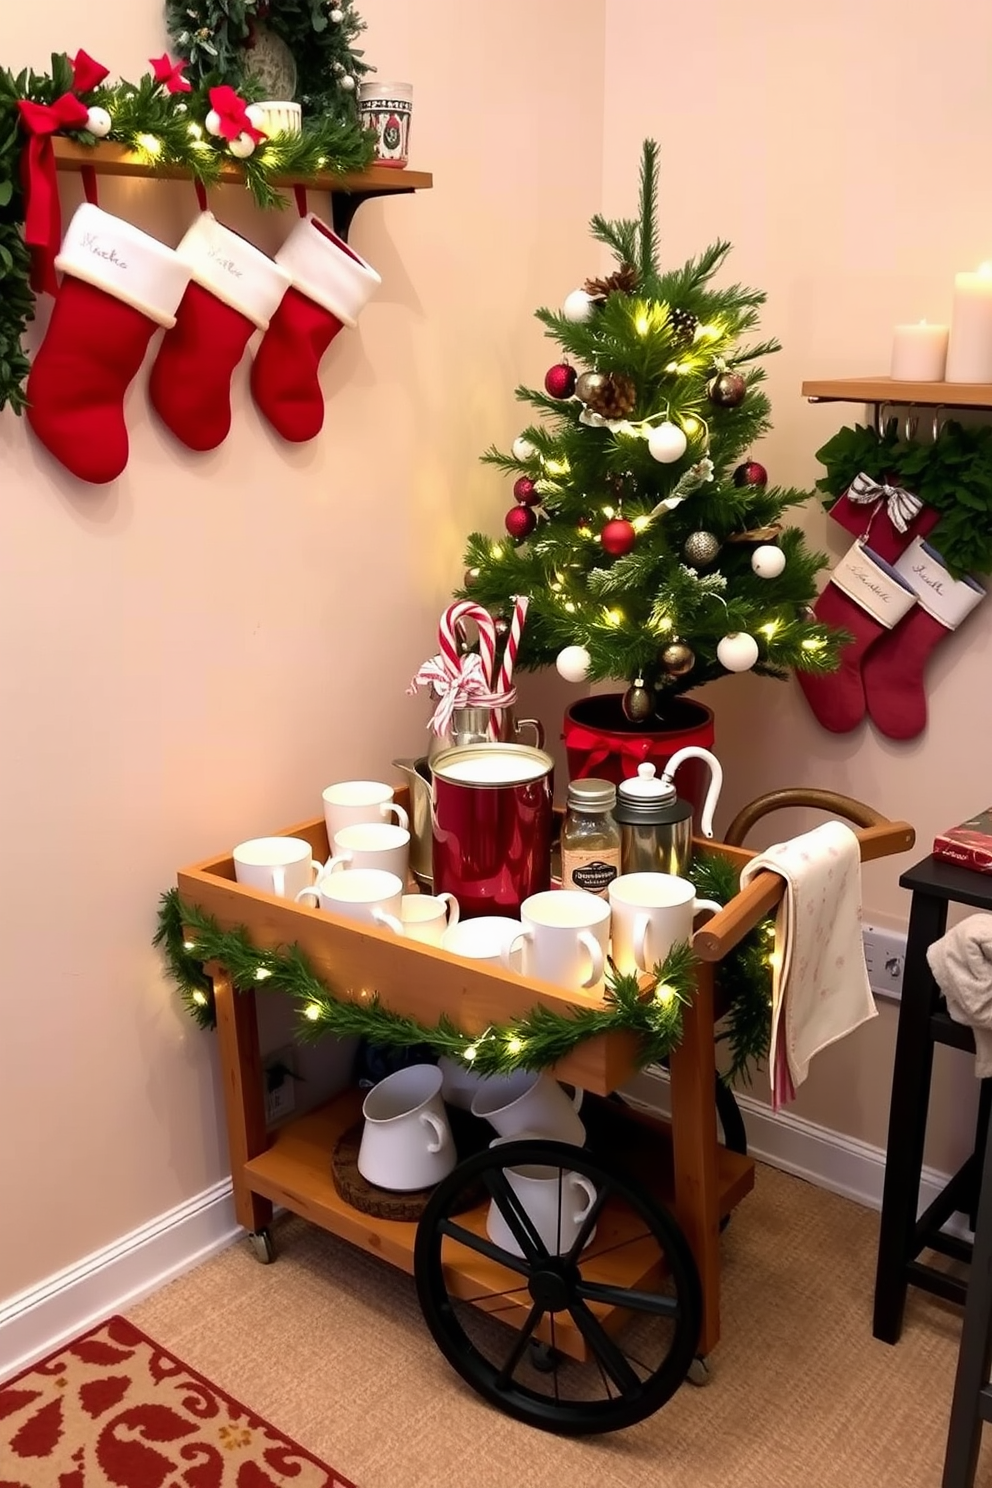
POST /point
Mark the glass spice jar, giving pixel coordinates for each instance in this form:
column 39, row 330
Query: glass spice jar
column 590, row 837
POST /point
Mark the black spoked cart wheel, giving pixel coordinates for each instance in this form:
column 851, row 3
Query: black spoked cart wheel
column 579, row 1313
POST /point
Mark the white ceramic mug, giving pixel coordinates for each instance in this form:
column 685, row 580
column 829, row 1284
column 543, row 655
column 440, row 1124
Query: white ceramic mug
column 367, row 895
column 371, row 845
column 651, row 911
column 484, row 939
column 279, row 865
column 555, row 1200
column 530, row 1102
column 425, row 917
column 349, row 803
column 406, row 1141
column 565, row 936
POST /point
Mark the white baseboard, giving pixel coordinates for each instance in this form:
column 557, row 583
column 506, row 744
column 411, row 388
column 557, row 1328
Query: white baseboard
column 41, row 1319
column 843, row 1165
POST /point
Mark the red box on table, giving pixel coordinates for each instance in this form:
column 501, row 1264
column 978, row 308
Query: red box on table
column 969, row 845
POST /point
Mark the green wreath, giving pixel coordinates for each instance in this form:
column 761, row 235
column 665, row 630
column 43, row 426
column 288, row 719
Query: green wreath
column 267, row 41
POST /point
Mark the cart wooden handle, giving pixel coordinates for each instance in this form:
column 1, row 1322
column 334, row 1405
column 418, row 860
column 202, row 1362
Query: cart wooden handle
column 725, row 930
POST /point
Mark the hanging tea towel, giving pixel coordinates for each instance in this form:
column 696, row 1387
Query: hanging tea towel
column 961, row 962
column 820, row 988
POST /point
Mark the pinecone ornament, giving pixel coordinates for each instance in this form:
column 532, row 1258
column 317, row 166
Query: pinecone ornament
column 683, row 324
column 614, row 396
column 623, row 281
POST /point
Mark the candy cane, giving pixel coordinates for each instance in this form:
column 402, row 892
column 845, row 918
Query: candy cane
column 520, row 604
column 449, row 631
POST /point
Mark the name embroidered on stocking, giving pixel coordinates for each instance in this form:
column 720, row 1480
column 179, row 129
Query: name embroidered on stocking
column 93, row 244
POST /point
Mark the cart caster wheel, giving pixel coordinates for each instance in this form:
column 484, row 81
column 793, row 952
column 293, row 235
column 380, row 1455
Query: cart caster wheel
column 698, row 1373
column 582, row 1321
column 544, row 1358
column 262, row 1246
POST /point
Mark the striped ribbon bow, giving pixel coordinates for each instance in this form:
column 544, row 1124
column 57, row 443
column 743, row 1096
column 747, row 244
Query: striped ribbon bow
column 903, row 507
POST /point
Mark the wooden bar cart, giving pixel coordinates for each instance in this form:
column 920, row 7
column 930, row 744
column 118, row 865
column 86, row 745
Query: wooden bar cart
column 649, row 1250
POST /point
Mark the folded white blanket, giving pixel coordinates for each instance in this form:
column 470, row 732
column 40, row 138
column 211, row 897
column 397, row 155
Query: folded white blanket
column 961, row 962
column 820, row 988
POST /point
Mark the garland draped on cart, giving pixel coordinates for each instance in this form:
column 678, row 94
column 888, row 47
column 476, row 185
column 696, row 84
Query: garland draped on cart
column 535, row 1041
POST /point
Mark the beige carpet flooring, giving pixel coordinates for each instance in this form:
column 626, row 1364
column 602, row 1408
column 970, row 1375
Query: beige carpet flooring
column 328, row 1344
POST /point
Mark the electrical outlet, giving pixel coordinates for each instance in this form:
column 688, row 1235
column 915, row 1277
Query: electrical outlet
column 885, row 958
column 279, row 1082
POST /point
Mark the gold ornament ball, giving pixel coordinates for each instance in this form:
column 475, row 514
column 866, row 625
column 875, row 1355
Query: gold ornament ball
column 701, row 548
column 589, row 385
column 678, row 659
column 638, row 704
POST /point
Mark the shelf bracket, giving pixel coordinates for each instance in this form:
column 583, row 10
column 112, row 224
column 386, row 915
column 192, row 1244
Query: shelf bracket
column 344, row 205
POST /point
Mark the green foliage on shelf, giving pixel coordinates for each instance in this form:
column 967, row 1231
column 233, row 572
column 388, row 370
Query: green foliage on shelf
column 189, row 938
column 952, row 473
column 663, row 336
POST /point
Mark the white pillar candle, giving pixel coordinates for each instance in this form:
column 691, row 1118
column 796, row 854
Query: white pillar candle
column 969, row 354
column 919, row 353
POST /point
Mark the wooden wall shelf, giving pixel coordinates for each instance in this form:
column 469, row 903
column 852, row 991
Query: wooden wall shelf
column 885, row 390
column 347, row 192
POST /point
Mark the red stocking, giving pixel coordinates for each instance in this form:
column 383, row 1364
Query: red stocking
column 866, row 597
column 894, row 669
column 886, row 517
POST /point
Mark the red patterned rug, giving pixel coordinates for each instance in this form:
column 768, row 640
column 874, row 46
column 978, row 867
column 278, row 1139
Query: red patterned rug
column 114, row 1410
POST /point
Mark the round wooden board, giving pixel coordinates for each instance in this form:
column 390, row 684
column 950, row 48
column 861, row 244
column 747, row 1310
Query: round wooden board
column 381, row 1203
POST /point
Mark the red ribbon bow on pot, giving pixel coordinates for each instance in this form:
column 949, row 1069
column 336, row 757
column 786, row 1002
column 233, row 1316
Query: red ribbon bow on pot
column 598, row 747
column 232, row 115
column 42, row 218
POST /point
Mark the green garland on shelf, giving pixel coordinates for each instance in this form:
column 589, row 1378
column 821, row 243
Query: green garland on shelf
column 223, row 39
column 539, row 1039
column 164, row 128
column 953, row 474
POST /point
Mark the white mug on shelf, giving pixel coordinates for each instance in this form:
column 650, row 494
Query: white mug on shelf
column 566, row 937
column 367, row 895
column 406, row 1141
column 349, row 803
column 484, row 940
column 555, row 1200
column 371, row 845
column 426, row 917
column 651, row 911
column 278, row 865
column 527, row 1101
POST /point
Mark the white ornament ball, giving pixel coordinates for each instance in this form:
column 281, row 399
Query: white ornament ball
column 573, row 663
column 337, row 16
column 242, row 147
column 768, row 561
column 348, row 83
column 212, row 122
column 667, row 443
column 578, row 306
column 255, row 114
column 99, row 122
column 523, row 449
column 737, row 652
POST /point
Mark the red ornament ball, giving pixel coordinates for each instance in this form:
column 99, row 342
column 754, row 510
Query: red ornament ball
column 525, row 491
column 520, row 522
column 559, row 380
column 618, row 537
column 751, row 474
column 726, row 389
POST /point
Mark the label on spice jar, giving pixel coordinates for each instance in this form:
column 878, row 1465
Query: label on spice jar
column 592, row 871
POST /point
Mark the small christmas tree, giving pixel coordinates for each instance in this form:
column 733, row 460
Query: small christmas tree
column 649, row 543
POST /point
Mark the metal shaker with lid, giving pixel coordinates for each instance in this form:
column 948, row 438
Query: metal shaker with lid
column 655, row 824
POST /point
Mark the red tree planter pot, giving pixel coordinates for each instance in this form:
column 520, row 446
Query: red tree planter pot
column 600, row 741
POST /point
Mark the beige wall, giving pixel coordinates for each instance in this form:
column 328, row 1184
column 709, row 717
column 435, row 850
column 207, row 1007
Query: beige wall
column 188, row 656
column 842, row 148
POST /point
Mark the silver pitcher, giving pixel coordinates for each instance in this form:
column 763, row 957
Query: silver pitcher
column 468, row 726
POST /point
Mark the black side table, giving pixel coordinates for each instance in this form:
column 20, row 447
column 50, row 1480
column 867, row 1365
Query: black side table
column 924, row 1022
column 972, row 1403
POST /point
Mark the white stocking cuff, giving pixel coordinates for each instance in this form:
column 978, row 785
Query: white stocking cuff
column 948, row 600
column 873, row 585
column 327, row 271
column 233, row 270
column 124, row 262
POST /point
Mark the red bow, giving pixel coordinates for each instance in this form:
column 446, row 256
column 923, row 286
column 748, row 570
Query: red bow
column 231, row 110
column 43, row 220
column 597, row 747
column 169, row 74
column 87, row 74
